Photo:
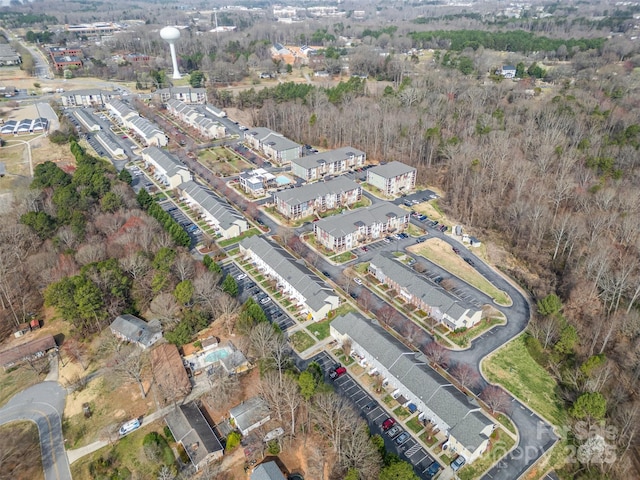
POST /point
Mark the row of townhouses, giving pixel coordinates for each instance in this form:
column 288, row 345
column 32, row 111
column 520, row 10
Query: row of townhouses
column 226, row 221
column 275, row 146
column 165, row 167
column 93, row 97
column 414, row 382
column 416, row 290
column 306, row 290
column 345, row 232
column 146, row 130
column 196, row 119
column 317, row 197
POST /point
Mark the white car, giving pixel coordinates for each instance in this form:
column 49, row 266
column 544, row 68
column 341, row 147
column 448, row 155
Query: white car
column 129, row 427
column 357, row 281
column 241, row 276
column 265, row 300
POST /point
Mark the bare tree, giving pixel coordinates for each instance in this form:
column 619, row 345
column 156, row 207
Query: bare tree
column 359, row 452
column 436, row 353
column 261, row 339
column 205, row 290
column 227, row 309
column 386, row 314
column 346, row 347
column 91, row 252
column 183, row 266
column 496, row 399
column 77, row 352
column 223, row 387
column 466, row 375
column 335, row 417
column 129, row 364
column 136, row 264
column 165, row 307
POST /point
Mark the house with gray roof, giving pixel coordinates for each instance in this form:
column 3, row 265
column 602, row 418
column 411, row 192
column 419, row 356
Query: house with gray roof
column 87, row 119
column 295, row 280
column 392, row 178
column 409, row 375
column 121, row 110
column 226, row 221
column 86, row 98
column 316, row 197
column 114, row 148
column 250, row 414
column 273, row 145
column 257, row 181
column 349, row 230
column 196, row 119
column 147, row 131
column 333, row 162
column 165, row 167
column 267, row 471
column 418, row 291
column 130, row 328
column 190, row 428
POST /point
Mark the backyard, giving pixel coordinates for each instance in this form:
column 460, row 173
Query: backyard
column 440, row 253
column 301, row 340
column 320, row 329
column 223, row 161
column 513, row 367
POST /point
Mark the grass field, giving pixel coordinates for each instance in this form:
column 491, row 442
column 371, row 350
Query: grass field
column 301, row 341
column 500, row 444
column 320, row 329
column 440, row 253
column 223, row 161
column 12, row 382
column 514, row 369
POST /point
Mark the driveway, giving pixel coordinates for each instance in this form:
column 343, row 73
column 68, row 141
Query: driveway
column 43, row 404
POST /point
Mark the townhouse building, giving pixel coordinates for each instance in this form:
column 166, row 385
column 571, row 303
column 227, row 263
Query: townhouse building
column 196, row 119
column 273, row 145
column 418, row 291
column 413, row 381
column 317, row 197
column 306, row 290
column 188, row 95
column 344, row 232
column 165, row 167
column 86, row 98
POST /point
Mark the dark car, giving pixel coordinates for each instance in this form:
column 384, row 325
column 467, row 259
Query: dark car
column 432, row 470
column 370, row 406
column 443, row 228
column 337, row 373
column 353, row 295
column 326, row 274
column 456, row 250
column 437, row 279
column 260, row 222
column 469, row 261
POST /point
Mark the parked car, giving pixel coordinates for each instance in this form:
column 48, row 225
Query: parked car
column 393, row 431
column 458, row 463
column 364, row 249
column 357, row 281
column 264, row 301
column 370, row 406
column 469, row 261
column 456, row 250
column 432, row 470
column 420, row 240
column 241, row 276
column 388, row 423
column 129, row 427
column 437, row 279
column 326, row 274
column 402, row 438
column 443, row 228
column 337, row 373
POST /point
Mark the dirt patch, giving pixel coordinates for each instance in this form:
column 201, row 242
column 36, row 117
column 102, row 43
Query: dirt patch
column 74, row 402
column 16, row 438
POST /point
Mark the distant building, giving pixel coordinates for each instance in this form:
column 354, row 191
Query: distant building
column 317, row 197
column 345, row 232
column 129, row 328
column 122, row 111
column 64, row 51
column 93, row 28
column 8, row 56
column 507, row 71
column 196, row 119
column 215, row 111
column 250, row 414
column 137, row 58
column 226, row 221
column 166, row 167
column 333, row 162
column 86, row 98
column 87, row 120
column 273, row 145
column 190, row 428
column 187, row 95
column 392, row 178
column 148, row 132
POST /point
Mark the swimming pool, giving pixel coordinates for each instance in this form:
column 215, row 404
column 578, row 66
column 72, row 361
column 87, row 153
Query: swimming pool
column 282, row 180
column 216, row 355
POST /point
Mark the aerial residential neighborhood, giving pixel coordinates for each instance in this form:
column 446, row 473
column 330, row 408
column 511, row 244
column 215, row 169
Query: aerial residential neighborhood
column 359, row 241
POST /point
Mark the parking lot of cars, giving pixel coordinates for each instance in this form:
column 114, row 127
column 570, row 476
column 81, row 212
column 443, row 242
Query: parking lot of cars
column 248, row 288
column 380, row 422
column 179, row 216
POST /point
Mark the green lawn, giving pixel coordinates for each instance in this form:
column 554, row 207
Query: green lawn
column 249, row 233
column 415, row 425
column 401, row 412
column 343, row 257
column 500, row 444
column 462, row 339
column 301, row 341
column 514, row 369
column 320, row 329
column 388, row 400
column 430, row 442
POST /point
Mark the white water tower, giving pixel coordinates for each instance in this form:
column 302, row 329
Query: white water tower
column 171, row 35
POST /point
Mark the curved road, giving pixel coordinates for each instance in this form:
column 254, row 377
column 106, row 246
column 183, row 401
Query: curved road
column 43, row 404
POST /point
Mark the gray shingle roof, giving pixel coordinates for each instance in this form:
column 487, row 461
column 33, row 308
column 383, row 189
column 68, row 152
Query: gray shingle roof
column 166, row 160
column 175, row 90
column 250, row 412
column 107, row 140
column 296, row 196
column 189, row 427
column 420, row 287
column 135, row 329
column 267, row 471
column 276, row 140
column 315, row 293
column 446, row 401
column 391, row 169
column 218, row 208
column 341, row 225
column 122, row 108
column 147, row 128
column 85, row 117
column 332, row 156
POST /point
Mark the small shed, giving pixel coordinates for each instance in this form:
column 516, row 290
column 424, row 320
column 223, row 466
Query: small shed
column 250, row 414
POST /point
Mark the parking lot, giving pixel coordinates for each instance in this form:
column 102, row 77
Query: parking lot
column 248, row 288
column 179, row 216
column 373, row 412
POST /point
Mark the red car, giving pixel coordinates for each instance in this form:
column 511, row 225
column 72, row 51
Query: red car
column 338, row 372
column 388, row 423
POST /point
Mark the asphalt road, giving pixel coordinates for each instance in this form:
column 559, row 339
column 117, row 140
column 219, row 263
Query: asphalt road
column 43, row 404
